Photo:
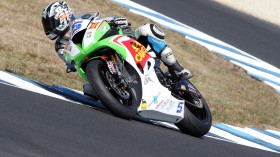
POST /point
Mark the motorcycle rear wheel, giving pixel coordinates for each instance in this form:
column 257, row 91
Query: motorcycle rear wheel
column 121, row 102
column 197, row 120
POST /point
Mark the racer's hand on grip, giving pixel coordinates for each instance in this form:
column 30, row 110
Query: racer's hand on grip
column 120, row 21
column 117, row 21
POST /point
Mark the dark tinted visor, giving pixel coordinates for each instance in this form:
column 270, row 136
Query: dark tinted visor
column 47, row 25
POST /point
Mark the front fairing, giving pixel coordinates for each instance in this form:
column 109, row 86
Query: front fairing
column 84, row 34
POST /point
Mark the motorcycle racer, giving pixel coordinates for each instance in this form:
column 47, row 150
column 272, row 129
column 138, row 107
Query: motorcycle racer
column 57, row 18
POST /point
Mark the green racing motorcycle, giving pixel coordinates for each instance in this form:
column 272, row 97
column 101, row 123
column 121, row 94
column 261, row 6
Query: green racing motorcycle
column 129, row 82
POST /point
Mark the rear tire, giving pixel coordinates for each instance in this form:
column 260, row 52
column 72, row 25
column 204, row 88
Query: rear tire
column 98, row 73
column 197, row 121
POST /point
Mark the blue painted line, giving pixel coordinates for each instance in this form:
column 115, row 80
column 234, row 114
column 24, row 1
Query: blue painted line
column 263, row 78
column 246, row 136
column 153, row 14
column 255, row 67
column 76, row 96
column 251, row 65
column 267, row 133
column 219, row 137
column 4, row 82
column 38, row 84
column 29, row 80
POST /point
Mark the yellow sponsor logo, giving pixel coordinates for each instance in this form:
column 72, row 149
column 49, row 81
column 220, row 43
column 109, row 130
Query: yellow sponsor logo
column 93, row 25
column 144, row 105
column 140, row 49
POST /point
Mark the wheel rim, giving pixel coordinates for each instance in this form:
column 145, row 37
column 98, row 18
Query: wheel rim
column 123, row 95
column 195, row 105
column 200, row 113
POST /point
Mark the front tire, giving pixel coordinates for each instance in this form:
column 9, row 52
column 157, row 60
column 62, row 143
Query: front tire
column 121, row 102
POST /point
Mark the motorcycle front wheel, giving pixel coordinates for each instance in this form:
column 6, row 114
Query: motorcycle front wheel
column 121, row 101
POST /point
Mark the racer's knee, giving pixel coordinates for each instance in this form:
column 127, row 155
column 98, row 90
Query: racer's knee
column 149, row 30
column 152, row 35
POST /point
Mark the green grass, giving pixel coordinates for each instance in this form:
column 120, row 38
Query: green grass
column 233, row 96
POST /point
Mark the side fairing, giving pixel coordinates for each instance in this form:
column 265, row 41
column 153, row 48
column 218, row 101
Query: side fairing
column 71, row 51
column 135, row 52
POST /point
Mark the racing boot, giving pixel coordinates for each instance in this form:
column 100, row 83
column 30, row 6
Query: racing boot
column 89, row 92
column 174, row 67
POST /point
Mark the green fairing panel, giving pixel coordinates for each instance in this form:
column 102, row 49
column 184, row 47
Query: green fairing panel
column 93, row 48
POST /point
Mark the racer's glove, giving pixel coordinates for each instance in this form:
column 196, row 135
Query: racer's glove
column 70, row 67
column 117, row 21
column 120, row 21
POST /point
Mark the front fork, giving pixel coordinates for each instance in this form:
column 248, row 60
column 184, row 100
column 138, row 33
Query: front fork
column 113, row 65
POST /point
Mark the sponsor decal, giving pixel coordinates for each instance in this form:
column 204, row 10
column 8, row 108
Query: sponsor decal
column 168, row 105
column 60, row 16
column 144, row 105
column 111, row 67
column 63, row 16
column 192, row 89
column 137, row 50
column 104, row 28
column 180, row 107
column 155, row 99
column 140, row 50
column 168, row 54
column 147, row 80
column 191, row 86
column 158, row 41
column 93, row 25
column 76, row 26
column 88, row 35
column 159, row 104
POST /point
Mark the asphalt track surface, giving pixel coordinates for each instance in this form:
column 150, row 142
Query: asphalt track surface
column 34, row 125
column 249, row 34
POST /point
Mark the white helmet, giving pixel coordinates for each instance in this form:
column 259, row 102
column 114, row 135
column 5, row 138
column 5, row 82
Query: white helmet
column 56, row 18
